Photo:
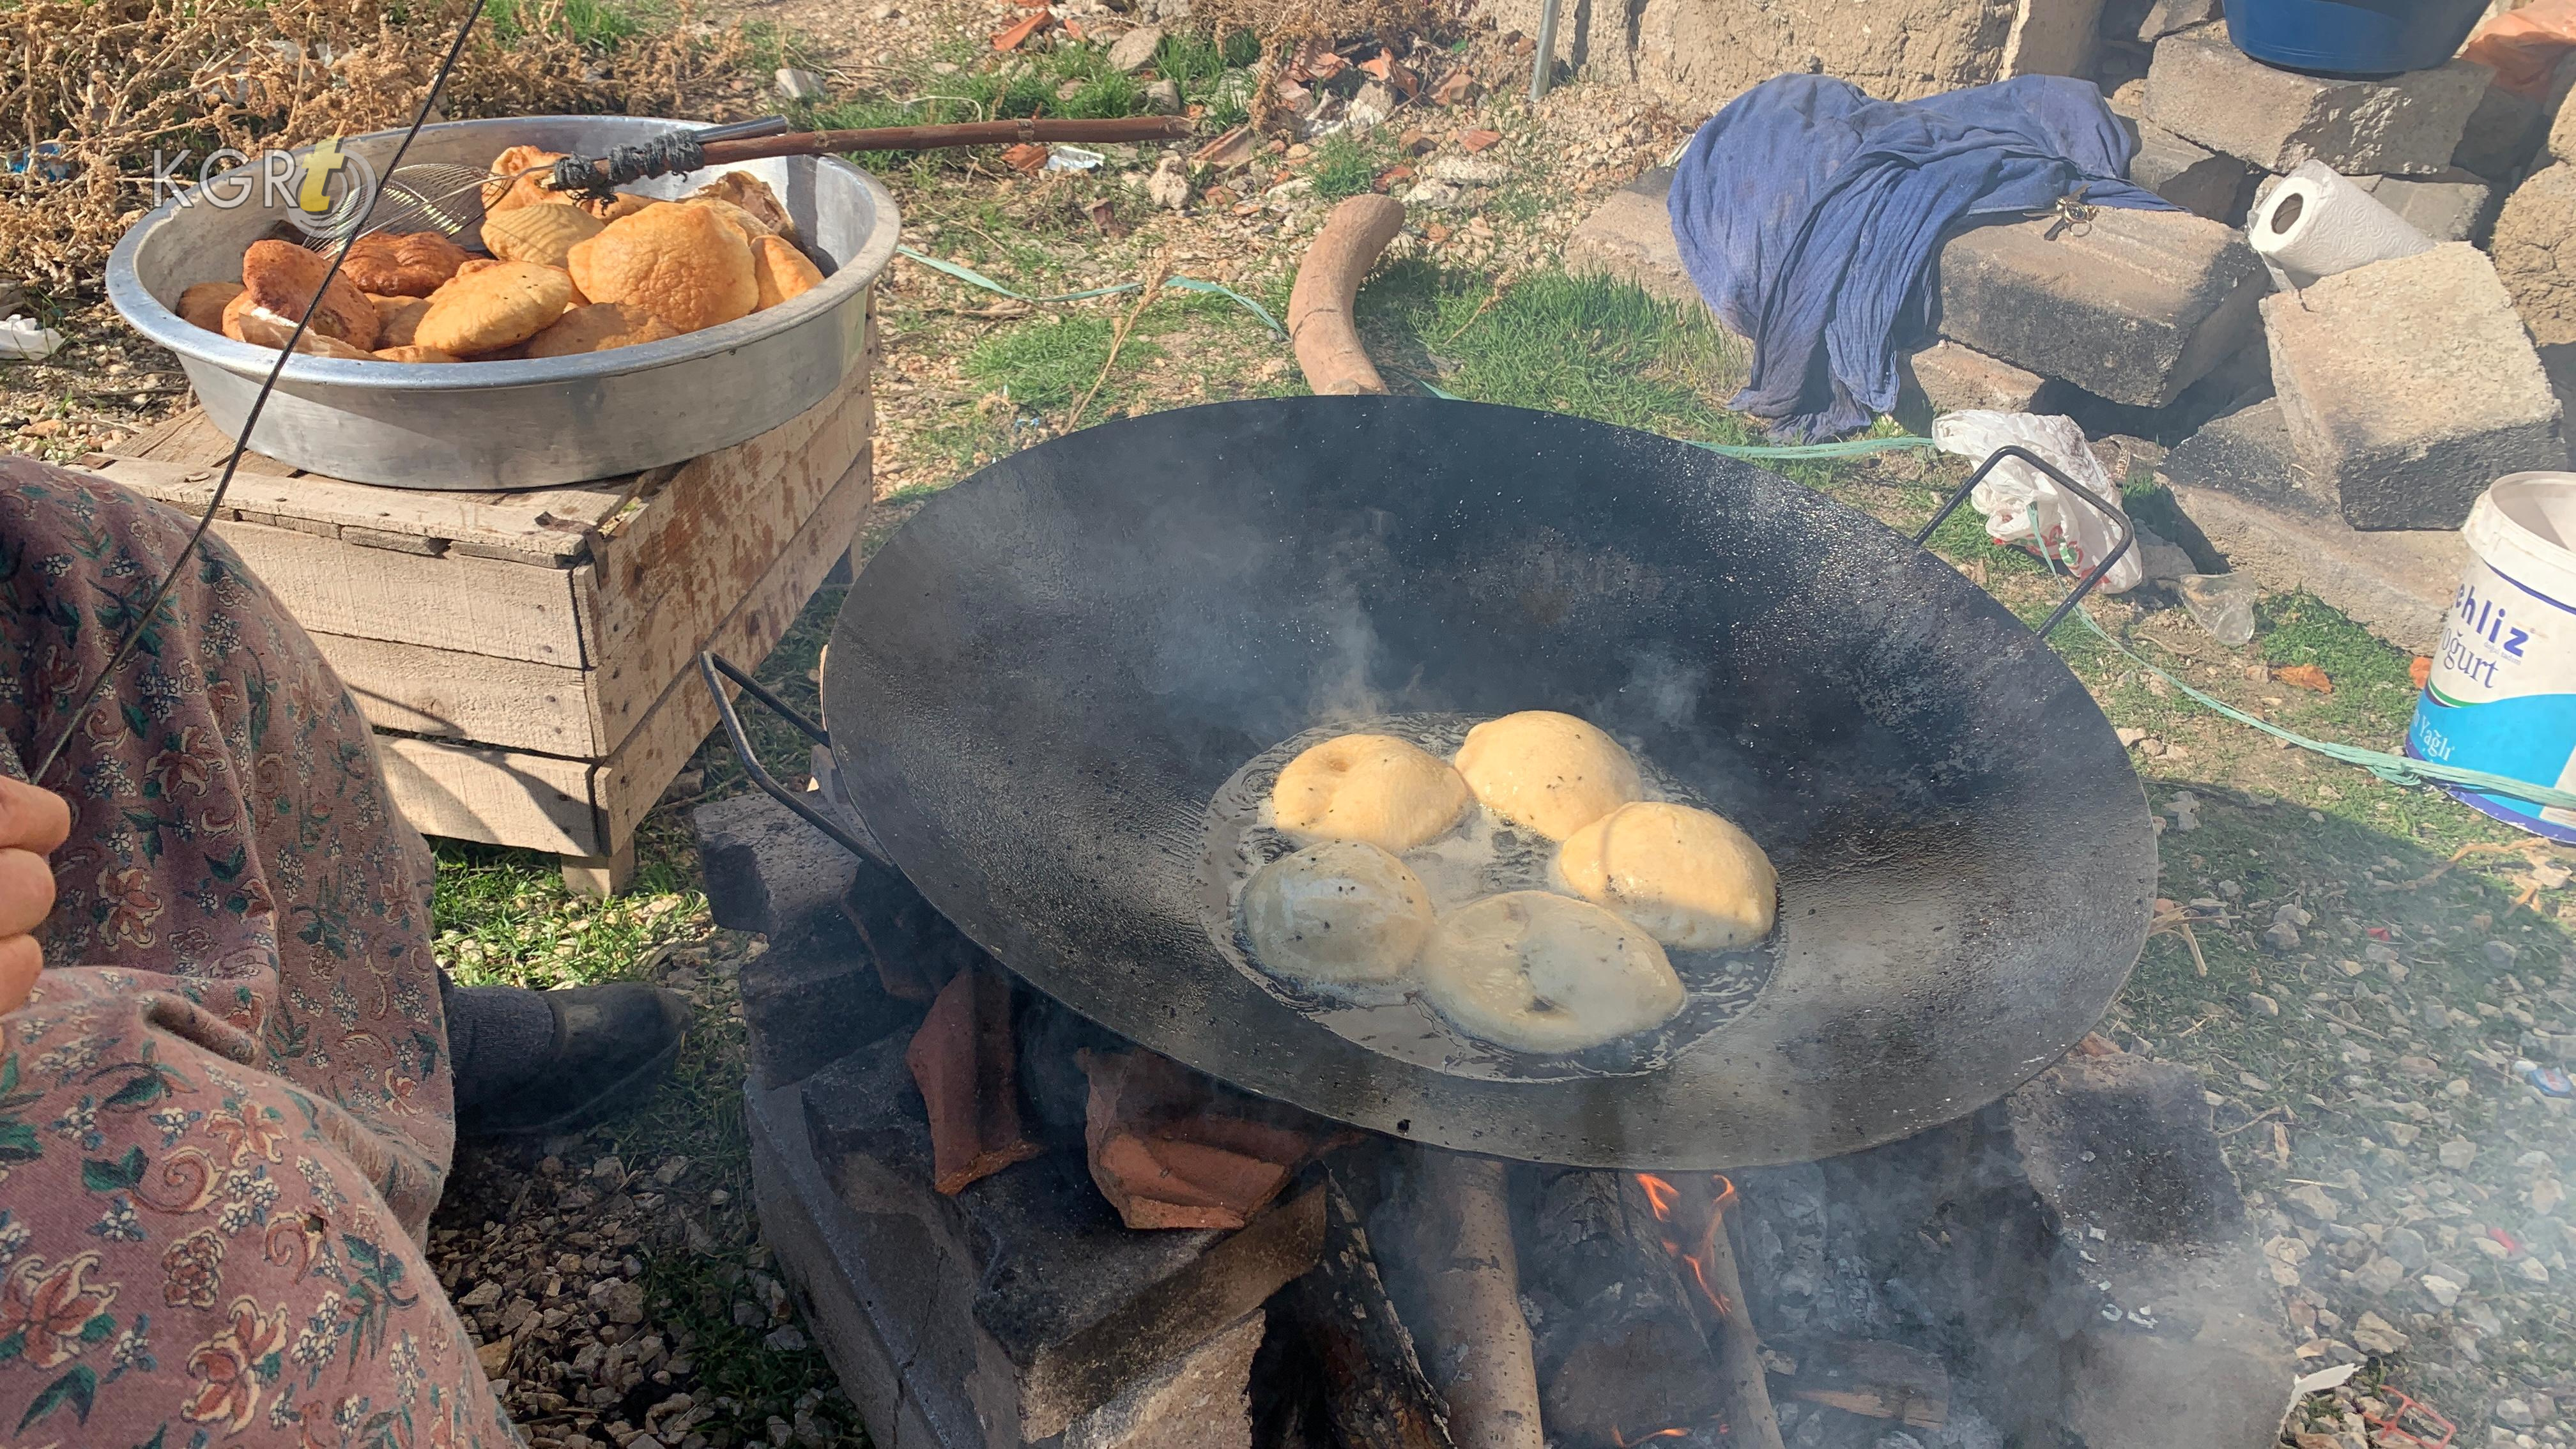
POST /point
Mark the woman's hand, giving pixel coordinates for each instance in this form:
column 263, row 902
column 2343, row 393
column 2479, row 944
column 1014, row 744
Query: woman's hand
column 33, row 822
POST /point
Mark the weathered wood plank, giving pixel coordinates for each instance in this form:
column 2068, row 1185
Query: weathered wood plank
column 631, row 781
column 499, row 797
column 700, row 544
column 548, row 527
column 470, row 605
column 472, row 697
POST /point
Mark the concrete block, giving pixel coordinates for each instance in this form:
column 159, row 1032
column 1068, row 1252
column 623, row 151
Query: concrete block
column 2562, row 134
column 2204, row 89
column 2535, row 252
column 2503, row 133
column 1953, row 378
column 1631, row 237
column 2167, row 16
column 1697, row 55
column 2201, row 181
column 2409, row 386
column 2450, row 205
column 2135, row 308
column 2052, row 37
column 2242, row 491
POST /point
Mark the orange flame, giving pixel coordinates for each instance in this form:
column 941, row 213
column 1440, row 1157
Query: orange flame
column 1665, row 1199
column 1624, row 1442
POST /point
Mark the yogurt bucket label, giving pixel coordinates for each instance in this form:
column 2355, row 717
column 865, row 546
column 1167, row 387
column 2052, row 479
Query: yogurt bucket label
column 2502, row 694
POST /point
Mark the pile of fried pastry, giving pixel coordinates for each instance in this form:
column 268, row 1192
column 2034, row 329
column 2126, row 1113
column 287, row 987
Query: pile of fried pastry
column 565, row 275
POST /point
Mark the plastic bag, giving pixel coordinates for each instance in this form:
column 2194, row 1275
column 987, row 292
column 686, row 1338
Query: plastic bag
column 24, row 339
column 2019, row 501
column 2523, row 47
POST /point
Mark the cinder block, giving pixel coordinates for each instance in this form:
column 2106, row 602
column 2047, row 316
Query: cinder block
column 2240, row 484
column 2135, row 307
column 2201, row 181
column 1957, row 379
column 2204, row 89
column 2167, row 16
column 2409, row 385
column 2503, row 132
column 2535, row 253
column 1631, row 237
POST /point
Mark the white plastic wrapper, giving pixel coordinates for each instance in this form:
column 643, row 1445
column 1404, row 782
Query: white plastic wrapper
column 24, row 339
column 2019, row 502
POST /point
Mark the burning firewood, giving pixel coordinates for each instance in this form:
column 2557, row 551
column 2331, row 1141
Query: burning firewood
column 1375, row 1393
column 1866, row 1376
column 1697, row 1224
column 1460, row 1265
column 963, row 1060
column 1622, row 1353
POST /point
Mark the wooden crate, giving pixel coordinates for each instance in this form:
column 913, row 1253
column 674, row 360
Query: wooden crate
column 529, row 659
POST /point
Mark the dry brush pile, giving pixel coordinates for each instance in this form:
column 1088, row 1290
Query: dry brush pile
column 89, row 89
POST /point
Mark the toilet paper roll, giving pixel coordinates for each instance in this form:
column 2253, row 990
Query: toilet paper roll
column 2314, row 224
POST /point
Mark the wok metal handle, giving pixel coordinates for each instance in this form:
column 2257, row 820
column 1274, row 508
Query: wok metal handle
column 709, row 667
column 2119, row 520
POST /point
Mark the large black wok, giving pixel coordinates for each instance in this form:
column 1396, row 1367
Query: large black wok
column 1036, row 686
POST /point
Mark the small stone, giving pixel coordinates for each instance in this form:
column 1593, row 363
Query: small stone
column 1163, row 98
column 2515, row 1414
column 2380, row 1276
column 2502, row 953
column 797, row 85
column 1134, row 51
column 2262, row 1003
column 2458, row 1153
column 495, row 1357
column 1168, row 188
column 2129, row 738
column 2281, row 936
column 2407, row 1247
column 2376, row 1335
column 1466, row 171
column 785, row 1340
column 2402, row 1134
column 483, row 1295
column 609, row 1170
column 2533, row 1269
column 622, row 1301
column 2314, row 1202
column 670, row 1170
column 2440, row 1289
column 2546, row 1195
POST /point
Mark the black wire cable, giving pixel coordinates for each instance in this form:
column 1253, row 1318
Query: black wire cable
column 232, row 461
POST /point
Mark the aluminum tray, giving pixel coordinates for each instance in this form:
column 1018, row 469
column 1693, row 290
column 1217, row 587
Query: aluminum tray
column 495, row 425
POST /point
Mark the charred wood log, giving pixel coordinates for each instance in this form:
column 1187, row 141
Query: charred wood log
column 1375, row 1394
column 1868, row 1376
column 1622, row 1351
column 1455, row 1270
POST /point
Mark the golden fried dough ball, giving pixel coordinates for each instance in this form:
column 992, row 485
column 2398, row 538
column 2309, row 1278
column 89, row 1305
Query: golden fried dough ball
column 624, row 203
column 416, row 354
column 246, row 321
column 280, row 279
column 499, row 306
column 751, row 227
column 1550, row 772
column 683, row 264
column 753, row 195
column 1342, row 913
column 412, row 264
column 781, row 271
column 540, row 234
column 397, row 318
column 1691, row 879
column 597, row 328
column 529, row 189
column 1388, row 792
column 203, row 304
column 1540, row 972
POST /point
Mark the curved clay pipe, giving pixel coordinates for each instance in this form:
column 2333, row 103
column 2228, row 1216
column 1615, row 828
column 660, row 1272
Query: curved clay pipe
column 1319, row 308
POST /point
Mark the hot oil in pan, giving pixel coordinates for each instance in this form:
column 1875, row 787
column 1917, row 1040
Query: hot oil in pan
column 1482, row 857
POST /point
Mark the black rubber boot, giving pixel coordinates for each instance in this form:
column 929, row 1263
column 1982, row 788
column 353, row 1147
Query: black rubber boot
column 611, row 1044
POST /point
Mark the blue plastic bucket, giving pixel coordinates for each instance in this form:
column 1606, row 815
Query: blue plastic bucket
column 2502, row 695
column 2352, row 37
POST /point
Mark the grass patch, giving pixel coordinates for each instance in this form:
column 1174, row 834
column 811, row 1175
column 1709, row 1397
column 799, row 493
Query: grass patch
column 1045, row 364
column 596, row 24
column 1341, row 168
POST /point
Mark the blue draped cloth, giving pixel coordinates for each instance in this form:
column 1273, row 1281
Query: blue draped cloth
column 1811, row 216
